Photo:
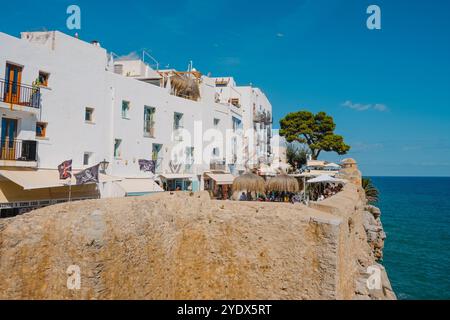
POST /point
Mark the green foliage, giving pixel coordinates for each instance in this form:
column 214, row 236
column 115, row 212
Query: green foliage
column 370, row 190
column 315, row 130
column 296, row 154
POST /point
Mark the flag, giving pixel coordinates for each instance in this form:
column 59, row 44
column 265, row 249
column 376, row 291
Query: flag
column 147, row 165
column 89, row 175
column 65, row 170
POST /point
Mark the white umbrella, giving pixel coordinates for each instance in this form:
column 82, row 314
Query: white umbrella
column 325, row 179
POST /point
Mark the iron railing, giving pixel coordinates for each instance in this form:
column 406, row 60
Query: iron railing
column 19, row 94
column 18, row 150
column 264, row 117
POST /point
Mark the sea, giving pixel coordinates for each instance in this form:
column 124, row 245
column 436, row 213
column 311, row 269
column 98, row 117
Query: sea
column 415, row 212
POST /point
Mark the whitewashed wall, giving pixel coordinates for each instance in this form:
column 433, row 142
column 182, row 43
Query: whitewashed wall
column 79, row 78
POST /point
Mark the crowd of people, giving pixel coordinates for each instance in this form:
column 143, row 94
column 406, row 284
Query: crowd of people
column 329, row 190
column 317, row 193
column 273, row 197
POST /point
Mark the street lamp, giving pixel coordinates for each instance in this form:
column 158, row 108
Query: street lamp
column 104, row 165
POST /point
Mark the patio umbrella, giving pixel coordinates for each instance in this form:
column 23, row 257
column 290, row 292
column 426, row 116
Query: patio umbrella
column 325, row 179
column 283, row 183
column 249, row 182
column 332, row 166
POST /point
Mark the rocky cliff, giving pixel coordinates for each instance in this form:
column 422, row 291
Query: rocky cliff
column 186, row 246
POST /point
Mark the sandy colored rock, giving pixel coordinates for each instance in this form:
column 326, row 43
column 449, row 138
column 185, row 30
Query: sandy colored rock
column 186, row 246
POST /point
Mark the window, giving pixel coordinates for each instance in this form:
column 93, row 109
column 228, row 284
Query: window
column 157, row 157
column 13, row 78
column 216, row 122
column 87, row 158
column 235, row 102
column 125, row 109
column 118, row 69
column 149, row 122
column 189, row 155
column 156, row 150
column 43, row 78
column 89, row 115
column 117, row 143
column 177, row 124
column 41, row 128
column 236, row 124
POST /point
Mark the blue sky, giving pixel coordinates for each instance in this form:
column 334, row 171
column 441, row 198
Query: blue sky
column 388, row 90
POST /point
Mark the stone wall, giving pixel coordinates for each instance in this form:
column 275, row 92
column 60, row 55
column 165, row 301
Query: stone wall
column 186, row 246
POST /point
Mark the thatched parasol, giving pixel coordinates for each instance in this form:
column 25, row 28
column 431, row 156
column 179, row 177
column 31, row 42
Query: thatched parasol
column 185, row 86
column 249, row 182
column 283, row 183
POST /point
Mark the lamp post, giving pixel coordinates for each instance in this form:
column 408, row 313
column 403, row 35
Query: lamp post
column 104, row 165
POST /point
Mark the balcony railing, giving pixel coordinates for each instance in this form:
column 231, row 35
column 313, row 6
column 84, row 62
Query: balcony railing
column 262, row 117
column 18, row 150
column 19, row 94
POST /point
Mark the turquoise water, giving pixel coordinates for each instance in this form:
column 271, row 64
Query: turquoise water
column 416, row 218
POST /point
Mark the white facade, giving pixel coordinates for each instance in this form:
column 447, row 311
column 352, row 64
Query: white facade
column 82, row 109
column 256, row 117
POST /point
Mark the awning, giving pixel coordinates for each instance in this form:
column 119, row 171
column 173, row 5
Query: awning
column 11, row 192
column 221, row 178
column 178, row 176
column 38, row 179
column 139, row 186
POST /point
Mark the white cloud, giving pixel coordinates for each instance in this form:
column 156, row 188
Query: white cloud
column 280, row 35
column 364, row 107
column 131, row 56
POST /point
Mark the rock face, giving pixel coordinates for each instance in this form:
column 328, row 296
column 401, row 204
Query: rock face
column 186, row 246
column 374, row 230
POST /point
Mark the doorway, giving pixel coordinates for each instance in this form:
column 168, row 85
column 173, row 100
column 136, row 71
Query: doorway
column 13, row 79
column 8, row 139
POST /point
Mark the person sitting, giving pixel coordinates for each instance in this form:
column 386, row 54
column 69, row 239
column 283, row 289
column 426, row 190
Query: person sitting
column 296, row 198
column 243, row 197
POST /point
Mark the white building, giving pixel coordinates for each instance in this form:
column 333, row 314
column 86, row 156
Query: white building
column 63, row 98
column 256, row 116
